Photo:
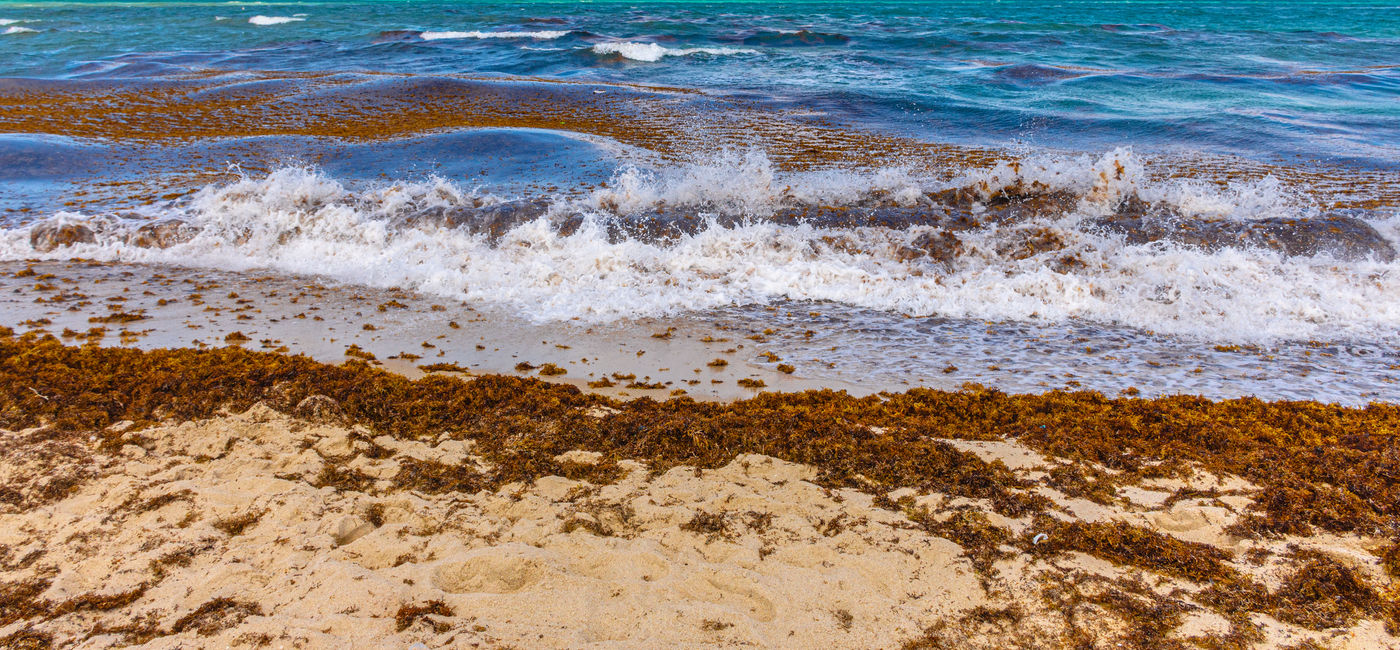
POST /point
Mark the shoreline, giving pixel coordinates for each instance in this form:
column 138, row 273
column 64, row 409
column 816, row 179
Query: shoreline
column 778, row 348
column 1043, row 519
column 972, row 326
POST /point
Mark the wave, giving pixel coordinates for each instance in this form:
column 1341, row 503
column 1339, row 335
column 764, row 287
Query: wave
column 1045, row 240
column 274, row 20
column 543, row 35
column 651, row 52
column 16, row 29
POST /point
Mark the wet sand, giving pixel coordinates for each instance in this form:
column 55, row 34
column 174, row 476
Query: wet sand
column 409, row 334
column 788, row 347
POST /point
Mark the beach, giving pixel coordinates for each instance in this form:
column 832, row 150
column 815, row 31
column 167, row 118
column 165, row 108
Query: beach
column 904, row 325
column 215, row 498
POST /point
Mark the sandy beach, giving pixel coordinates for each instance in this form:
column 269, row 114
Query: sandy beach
column 226, row 499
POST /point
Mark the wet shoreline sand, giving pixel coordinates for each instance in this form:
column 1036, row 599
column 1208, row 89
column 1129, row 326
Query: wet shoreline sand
column 460, row 510
column 724, row 355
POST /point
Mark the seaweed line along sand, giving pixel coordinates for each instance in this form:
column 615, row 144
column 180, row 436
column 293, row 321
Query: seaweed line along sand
column 243, row 498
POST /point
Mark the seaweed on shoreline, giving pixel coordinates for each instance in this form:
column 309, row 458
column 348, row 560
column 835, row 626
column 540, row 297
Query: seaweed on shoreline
column 1319, row 466
column 520, row 427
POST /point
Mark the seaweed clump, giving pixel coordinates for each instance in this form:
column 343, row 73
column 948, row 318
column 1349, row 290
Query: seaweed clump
column 1321, row 593
column 444, row 367
column 980, row 539
column 410, row 614
column 711, row 525
column 216, row 615
column 520, row 425
column 19, row 601
column 1390, row 560
column 27, row 638
column 1123, row 543
column 1324, row 593
column 236, row 525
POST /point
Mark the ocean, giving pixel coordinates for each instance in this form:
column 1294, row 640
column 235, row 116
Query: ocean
column 1151, row 197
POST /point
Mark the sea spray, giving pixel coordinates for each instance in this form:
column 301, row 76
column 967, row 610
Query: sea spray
column 570, row 261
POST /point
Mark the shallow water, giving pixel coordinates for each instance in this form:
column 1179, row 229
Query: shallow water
column 1313, row 79
column 1030, row 196
column 820, row 344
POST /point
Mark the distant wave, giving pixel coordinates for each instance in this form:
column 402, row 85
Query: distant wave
column 540, row 35
column 274, row 20
column 799, row 38
column 19, row 30
column 652, row 52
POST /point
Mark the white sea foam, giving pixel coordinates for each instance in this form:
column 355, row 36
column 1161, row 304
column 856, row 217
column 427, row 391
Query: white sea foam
column 651, row 52
column 9, row 21
column 538, row 35
column 16, row 29
column 1104, row 180
column 274, row 20
column 746, row 184
column 299, row 221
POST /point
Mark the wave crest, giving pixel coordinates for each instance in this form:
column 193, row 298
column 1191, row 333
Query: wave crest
column 542, row 35
column 652, row 52
column 264, row 21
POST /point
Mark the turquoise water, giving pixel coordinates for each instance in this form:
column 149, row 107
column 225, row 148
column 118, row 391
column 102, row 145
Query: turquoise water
column 1268, row 80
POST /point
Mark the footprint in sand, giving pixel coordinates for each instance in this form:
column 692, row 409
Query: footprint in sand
column 630, row 564
column 498, row 570
column 732, row 591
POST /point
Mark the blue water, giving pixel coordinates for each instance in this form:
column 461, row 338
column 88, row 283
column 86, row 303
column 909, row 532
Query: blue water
column 1274, row 81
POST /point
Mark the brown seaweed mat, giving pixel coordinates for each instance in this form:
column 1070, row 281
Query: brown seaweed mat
column 1316, row 470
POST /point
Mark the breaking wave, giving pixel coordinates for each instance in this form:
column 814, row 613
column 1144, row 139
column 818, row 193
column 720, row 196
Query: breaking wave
column 1044, row 239
column 651, row 52
column 274, row 20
